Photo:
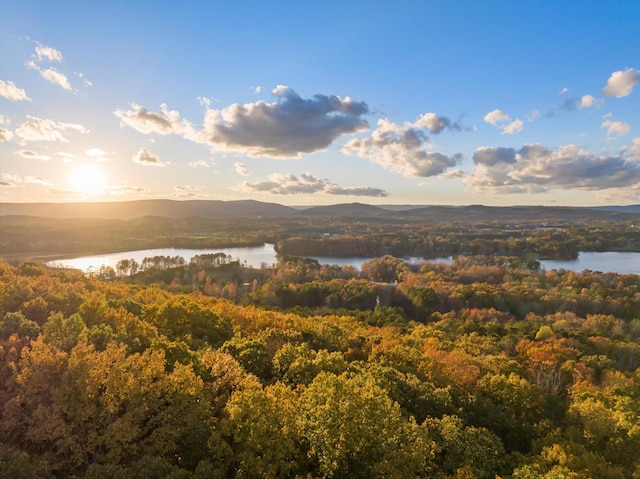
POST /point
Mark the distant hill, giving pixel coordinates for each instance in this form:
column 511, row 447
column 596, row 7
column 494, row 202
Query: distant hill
column 224, row 210
column 516, row 214
column 135, row 209
column 356, row 210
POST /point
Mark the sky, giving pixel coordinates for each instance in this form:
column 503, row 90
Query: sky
column 321, row 102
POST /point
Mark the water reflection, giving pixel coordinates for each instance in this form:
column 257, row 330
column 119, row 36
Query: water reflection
column 265, row 255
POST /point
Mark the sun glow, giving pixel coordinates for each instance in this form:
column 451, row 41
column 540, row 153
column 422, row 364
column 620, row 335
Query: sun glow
column 88, row 179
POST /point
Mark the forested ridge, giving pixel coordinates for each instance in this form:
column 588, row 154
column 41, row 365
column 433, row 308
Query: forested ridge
column 487, row 367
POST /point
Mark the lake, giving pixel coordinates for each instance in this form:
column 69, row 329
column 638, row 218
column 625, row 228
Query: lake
column 625, row 263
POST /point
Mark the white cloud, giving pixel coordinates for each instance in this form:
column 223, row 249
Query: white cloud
column 401, row 149
column 8, row 180
column 12, row 181
column 499, row 119
column 93, row 152
column 66, row 157
column 449, row 175
column 97, row 154
column 5, row 135
column 536, row 168
column 241, row 169
column 257, row 89
column 616, row 127
column 290, row 184
column 621, row 83
column 123, row 190
column 285, row 128
column 514, row 127
column 563, row 91
column 85, row 82
column 587, row 101
column 47, row 53
column 435, row 123
column 10, row 91
column 54, row 76
column 39, row 129
column 199, row 163
column 496, row 116
column 37, row 180
column 32, row 155
column 51, row 74
column 163, row 123
column 187, row 191
column 145, row 157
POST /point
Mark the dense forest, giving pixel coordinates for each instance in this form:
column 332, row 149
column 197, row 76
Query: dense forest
column 487, row 367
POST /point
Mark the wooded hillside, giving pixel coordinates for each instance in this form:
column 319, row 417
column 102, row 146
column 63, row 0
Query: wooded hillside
column 472, row 370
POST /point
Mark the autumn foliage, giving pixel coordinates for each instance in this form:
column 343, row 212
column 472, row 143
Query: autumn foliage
column 480, row 369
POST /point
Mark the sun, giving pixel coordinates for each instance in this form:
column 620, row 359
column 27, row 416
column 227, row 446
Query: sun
column 88, row 179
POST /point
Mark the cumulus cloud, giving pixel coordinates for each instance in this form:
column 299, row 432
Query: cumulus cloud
column 503, row 122
column 241, row 169
column 285, row 128
column 32, row 155
column 496, row 116
column 616, row 127
column 621, row 83
column 164, row 122
column 490, row 156
column 581, row 103
column 436, row 123
column 587, row 101
column 290, row 184
column 536, row 168
column 401, row 148
column 39, row 129
column 145, row 157
column 10, row 91
column 44, row 52
column 5, row 135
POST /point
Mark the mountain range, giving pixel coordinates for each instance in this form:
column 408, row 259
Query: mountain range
column 226, row 210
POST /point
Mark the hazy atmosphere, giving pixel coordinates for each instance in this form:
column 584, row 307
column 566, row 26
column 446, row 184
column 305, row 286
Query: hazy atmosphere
column 310, row 103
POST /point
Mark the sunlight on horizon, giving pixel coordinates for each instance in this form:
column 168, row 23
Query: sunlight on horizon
column 88, row 179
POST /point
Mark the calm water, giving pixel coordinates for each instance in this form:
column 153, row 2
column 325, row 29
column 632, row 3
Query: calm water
column 266, row 255
column 625, row 263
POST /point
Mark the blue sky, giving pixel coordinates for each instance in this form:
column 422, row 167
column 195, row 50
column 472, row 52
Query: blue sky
column 321, row 102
